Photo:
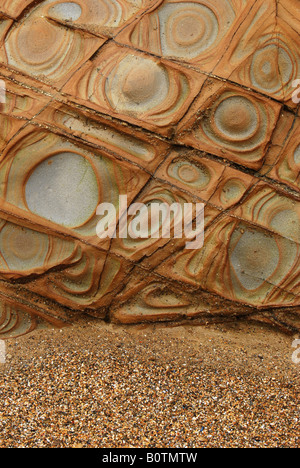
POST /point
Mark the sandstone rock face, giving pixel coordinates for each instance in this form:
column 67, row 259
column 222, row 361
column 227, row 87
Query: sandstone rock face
column 169, row 101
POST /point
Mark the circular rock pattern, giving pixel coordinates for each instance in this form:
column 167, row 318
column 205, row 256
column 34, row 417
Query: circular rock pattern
column 42, row 48
column 236, row 118
column 254, row 259
column 232, row 192
column 187, row 29
column 63, row 189
column 137, row 85
column 191, row 174
column 272, row 68
column 236, row 125
column 23, row 249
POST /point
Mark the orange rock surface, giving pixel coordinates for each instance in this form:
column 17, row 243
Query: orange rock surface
column 160, row 100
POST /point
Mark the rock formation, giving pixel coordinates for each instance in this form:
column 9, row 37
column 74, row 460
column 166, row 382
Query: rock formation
column 160, row 100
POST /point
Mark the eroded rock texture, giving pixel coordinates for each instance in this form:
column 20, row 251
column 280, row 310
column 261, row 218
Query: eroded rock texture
column 159, row 100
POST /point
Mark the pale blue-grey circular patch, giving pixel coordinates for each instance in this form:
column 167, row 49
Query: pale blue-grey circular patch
column 67, row 11
column 255, row 259
column 63, row 189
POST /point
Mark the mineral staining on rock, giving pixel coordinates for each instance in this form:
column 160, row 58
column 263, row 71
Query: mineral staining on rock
column 160, row 100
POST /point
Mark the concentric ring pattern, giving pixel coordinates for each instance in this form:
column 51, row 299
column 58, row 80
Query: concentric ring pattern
column 118, row 114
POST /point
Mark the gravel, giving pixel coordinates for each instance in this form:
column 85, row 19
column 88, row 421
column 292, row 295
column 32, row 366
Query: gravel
column 156, row 386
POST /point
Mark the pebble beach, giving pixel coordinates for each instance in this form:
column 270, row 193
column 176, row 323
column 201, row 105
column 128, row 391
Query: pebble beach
column 98, row 385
